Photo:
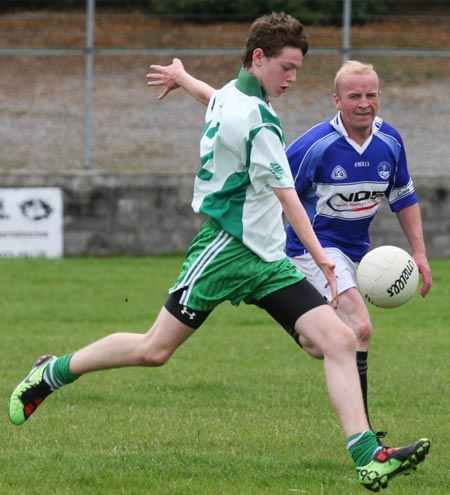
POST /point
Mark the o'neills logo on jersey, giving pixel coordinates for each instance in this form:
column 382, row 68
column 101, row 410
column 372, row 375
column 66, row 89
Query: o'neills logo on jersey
column 402, row 281
column 384, row 170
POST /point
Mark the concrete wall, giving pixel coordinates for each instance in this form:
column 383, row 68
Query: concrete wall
column 141, row 214
column 434, row 197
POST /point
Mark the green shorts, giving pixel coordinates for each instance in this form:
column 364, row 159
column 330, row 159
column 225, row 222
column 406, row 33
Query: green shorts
column 220, row 268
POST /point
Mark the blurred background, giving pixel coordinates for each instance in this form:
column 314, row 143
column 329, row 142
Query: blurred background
column 76, row 112
column 73, row 88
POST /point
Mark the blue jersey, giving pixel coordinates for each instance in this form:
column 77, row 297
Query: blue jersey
column 341, row 184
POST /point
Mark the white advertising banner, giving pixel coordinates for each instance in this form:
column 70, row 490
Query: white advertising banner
column 31, row 222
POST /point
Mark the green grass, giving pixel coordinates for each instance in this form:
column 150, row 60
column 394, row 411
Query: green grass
column 239, row 410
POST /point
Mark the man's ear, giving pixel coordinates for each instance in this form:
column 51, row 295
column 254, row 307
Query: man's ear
column 337, row 101
column 257, row 57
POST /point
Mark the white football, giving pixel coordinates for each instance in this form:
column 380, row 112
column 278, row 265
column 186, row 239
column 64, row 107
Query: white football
column 387, row 277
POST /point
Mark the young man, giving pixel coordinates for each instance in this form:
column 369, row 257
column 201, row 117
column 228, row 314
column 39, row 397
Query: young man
column 243, row 185
column 342, row 168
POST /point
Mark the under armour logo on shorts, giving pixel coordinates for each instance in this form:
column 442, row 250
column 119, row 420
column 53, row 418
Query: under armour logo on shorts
column 185, row 311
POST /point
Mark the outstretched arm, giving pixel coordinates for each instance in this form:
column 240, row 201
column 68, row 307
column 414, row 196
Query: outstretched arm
column 411, row 223
column 174, row 76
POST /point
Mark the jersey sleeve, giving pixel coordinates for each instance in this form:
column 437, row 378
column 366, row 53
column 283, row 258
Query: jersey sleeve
column 307, row 155
column 401, row 192
column 302, row 164
column 268, row 165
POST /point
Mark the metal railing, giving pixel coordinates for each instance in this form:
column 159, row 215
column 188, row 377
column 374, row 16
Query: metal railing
column 89, row 51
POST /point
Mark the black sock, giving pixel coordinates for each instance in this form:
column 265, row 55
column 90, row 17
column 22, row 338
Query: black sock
column 361, row 361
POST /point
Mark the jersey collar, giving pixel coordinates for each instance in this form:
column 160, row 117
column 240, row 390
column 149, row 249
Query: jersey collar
column 336, row 122
column 249, row 85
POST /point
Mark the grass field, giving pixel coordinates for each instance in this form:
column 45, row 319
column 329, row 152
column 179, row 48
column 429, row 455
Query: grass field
column 239, row 410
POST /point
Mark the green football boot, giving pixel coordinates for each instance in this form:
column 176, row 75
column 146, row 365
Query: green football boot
column 30, row 393
column 388, row 462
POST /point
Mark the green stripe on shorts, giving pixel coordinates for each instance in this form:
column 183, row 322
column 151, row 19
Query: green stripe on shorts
column 220, row 268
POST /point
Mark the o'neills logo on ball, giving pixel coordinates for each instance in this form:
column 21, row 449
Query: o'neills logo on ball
column 402, row 281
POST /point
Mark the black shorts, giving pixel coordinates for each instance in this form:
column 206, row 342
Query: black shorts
column 193, row 318
column 288, row 304
column 284, row 305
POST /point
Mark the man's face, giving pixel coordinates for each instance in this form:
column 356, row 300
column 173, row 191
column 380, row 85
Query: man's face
column 276, row 74
column 357, row 98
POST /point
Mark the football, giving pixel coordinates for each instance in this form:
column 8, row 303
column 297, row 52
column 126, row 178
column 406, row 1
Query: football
column 387, row 277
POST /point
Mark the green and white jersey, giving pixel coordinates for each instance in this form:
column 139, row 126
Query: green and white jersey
column 243, row 158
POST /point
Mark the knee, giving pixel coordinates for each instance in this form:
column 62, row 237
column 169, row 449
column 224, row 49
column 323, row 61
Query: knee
column 153, row 359
column 363, row 332
column 350, row 341
column 341, row 341
column 310, row 348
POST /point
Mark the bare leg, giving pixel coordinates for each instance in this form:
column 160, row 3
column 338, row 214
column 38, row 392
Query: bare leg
column 353, row 312
column 117, row 350
column 337, row 343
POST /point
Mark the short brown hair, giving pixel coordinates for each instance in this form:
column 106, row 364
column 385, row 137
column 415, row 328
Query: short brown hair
column 272, row 33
